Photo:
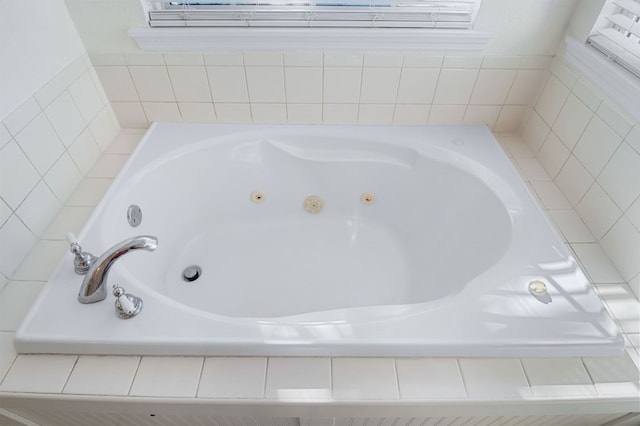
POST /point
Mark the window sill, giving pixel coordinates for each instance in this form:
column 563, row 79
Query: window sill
column 211, row 39
column 619, row 85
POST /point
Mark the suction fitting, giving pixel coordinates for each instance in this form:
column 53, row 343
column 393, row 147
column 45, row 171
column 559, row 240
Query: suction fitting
column 368, row 198
column 257, row 197
column 313, row 204
column 538, row 289
column 191, row 273
column 134, row 215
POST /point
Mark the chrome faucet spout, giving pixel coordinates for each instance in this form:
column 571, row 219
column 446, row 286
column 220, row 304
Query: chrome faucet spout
column 94, row 286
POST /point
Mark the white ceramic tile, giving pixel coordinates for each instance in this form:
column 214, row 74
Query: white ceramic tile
column 161, row 111
column 623, row 306
column 74, row 71
column 266, row 84
column 613, row 375
column 303, row 84
column 38, row 373
column 124, row 143
column 364, row 379
column 422, row 60
column 621, row 176
column 228, row 84
column 501, row 62
column 340, row 113
column 553, row 155
column 167, row 376
column 190, row 83
column 558, row 377
column 341, row 85
column 410, row 114
column 536, row 62
column 183, row 58
column 89, row 192
column 531, row 169
column 102, row 375
column 86, row 97
column 465, row 61
column 596, row 146
column 104, row 128
column 535, row 132
column 108, row 166
column 491, row 378
column 429, row 378
column 596, row 263
column 263, row 58
column 233, row 113
column 152, row 83
column 50, row 91
column 304, row 113
column 383, row 59
column 130, row 115
column 551, row 100
column 446, row 114
column 22, row 240
column 572, row 121
column 7, row 353
column 303, row 59
column 99, row 59
column 525, row 87
column 633, row 138
column 343, row 59
column 574, row 180
column 571, row 226
column 15, row 300
column 40, row 143
column 598, row 211
column 231, row 58
column 69, row 219
column 269, row 113
column 633, row 214
column 550, row 195
column 375, row 114
column 21, row 116
column 379, row 85
column 41, row 261
column 16, row 168
column 622, row 245
column 455, row 86
column 565, row 74
column 65, row 118
column 291, row 378
column 63, row 177
column 492, row 87
column 5, row 212
column 486, row 115
column 417, row 85
column 615, row 119
column 117, row 83
column 5, row 136
column 510, row 118
column 39, row 209
column 84, row 152
column 197, row 112
column 144, row 58
column 588, row 94
column 241, row 378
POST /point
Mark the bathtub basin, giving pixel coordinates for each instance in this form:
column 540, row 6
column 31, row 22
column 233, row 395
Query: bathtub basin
column 326, row 241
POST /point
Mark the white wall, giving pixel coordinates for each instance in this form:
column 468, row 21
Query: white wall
column 38, row 41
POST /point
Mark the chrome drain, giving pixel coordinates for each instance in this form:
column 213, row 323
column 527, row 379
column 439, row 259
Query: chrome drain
column 191, row 273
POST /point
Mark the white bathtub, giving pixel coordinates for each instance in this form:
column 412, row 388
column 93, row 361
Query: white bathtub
column 434, row 259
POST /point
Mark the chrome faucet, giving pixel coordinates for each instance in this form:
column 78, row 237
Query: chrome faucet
column 94, row 286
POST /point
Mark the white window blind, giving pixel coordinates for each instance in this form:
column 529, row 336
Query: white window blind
column 313, row 13
column 617, row 33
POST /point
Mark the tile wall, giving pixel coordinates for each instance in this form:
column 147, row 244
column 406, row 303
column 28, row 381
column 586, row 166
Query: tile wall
column 591, row 150
column 47, row 146
column 321, row 87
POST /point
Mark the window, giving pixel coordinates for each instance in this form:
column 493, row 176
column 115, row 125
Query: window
column 617, row 33
column 453, row 14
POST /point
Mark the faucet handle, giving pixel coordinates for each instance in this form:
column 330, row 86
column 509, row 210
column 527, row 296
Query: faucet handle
column 127, row 305
column 83, row 260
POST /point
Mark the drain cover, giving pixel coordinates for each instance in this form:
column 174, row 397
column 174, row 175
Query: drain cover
column 191, row 273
